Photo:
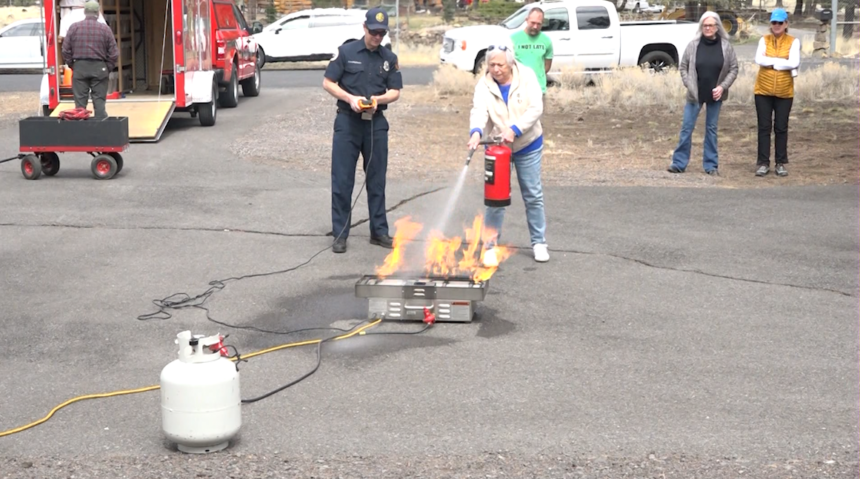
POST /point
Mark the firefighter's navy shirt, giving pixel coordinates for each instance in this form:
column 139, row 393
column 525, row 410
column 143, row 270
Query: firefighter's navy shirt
column 364, row 73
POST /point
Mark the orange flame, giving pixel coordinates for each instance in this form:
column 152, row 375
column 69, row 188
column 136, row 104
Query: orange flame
column 406, row 231
column 445, row 257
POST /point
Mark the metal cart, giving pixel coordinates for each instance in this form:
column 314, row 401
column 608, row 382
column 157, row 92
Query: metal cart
column 41, row 138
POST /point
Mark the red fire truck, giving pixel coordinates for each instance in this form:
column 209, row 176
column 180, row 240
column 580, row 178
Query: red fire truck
column 174, row 56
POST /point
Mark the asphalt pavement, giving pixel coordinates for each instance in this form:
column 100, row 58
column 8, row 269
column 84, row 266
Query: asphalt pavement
column 675, row 332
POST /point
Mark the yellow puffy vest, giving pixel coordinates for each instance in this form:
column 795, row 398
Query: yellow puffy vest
column 770, row 82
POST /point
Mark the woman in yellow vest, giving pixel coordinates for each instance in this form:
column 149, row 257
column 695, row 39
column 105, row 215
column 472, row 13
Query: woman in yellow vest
column 778, row 57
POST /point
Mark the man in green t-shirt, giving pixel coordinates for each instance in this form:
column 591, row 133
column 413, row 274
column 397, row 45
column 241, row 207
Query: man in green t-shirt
column 532, row 47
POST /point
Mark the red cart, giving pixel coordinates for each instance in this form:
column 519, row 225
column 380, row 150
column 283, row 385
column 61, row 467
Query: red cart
column 41, row 138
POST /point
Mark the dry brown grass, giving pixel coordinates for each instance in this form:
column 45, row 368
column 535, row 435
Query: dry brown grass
column 10, row 15
column 14, row 106
column 408, row 55
column 418, row 55
column 635, row 88
column 622, row 129
column 845, row 47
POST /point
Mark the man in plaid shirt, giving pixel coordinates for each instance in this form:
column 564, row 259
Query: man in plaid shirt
column 90, row 50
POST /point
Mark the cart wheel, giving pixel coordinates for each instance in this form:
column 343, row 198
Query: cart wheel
column 118, row 158
column 103, row 167
column 50, row 163
column 31, row 167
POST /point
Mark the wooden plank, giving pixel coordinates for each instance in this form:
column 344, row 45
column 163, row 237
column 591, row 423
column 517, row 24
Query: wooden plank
column 146, row 119
column 153, row 17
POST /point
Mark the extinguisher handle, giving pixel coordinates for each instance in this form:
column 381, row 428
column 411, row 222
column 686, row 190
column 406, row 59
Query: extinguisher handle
column 491, row 141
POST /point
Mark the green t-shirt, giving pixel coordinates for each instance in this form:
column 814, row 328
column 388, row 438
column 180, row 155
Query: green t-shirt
column 532, row 51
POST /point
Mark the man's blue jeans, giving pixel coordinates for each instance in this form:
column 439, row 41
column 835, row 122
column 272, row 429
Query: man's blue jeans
column 528, row 175
column 681, row 157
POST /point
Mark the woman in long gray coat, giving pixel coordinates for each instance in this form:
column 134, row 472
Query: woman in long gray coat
column 708, row 68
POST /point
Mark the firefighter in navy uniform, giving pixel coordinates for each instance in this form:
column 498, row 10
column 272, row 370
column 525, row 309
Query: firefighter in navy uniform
column 362, row 70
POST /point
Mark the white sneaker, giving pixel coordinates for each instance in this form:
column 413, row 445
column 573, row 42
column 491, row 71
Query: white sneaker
column 490, row 259
column 541, row 253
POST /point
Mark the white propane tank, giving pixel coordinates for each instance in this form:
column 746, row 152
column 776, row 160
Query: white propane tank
column 200, row 400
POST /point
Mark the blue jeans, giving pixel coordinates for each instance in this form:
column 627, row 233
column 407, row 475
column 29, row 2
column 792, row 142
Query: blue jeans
column 682, row 152
column 528, row 175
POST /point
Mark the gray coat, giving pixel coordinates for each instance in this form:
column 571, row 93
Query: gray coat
column 688, row 70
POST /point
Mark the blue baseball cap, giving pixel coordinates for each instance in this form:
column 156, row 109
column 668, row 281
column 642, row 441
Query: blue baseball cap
column 778, row 15
column 376, row 19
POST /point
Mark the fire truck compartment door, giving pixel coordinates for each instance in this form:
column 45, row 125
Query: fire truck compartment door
column 146, row 118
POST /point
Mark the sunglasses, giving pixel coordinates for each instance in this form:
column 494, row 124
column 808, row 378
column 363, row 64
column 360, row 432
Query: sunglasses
column 497, row 47
column 777, row 23
column 377, row 33
column 709, row 25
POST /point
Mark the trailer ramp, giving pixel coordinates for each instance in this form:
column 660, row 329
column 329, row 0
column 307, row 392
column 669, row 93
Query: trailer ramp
column 146, row 118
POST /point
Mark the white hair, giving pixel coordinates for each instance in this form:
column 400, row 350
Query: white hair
column 508, row 52
column 721, row 30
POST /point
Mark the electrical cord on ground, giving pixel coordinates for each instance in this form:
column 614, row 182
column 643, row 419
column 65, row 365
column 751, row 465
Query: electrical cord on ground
column 184, row 300
column 356, row 330
column 425, row 328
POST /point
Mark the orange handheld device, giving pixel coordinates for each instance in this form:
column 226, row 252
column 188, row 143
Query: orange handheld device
column 367, row 103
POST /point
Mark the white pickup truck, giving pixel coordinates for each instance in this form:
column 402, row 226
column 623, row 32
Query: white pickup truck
column 586, row 33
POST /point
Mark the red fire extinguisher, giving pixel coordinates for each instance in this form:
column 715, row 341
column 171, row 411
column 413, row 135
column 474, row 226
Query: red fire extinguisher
column 497, row 175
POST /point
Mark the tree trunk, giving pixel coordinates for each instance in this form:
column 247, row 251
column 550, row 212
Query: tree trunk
column 848, row 30
column 779, row 4
column 798, row 8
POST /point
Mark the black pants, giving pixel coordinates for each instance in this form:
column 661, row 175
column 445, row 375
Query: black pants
column 89, row 76
column 352, row 136
column 772, row 113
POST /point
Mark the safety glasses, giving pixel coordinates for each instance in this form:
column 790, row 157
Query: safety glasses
column 502, row 48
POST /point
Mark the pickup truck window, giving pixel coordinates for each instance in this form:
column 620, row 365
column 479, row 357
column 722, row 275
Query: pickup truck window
column 556, row 20
column 515, row 20
column 224, row 14
column 296, row 23
column 332, row 21
column 592, row 18
column 240, row 19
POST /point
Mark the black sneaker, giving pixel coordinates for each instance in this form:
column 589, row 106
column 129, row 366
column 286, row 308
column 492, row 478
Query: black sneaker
column 384, row 241
column 762, row 170
column 339, row 246
column 674, row 169
column 780, row 170
column 714, row 172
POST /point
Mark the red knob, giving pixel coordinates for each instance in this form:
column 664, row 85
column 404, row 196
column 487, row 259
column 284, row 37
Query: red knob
column 429, row 317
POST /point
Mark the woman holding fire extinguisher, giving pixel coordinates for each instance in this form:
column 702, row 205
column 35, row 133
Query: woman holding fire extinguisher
column 508, row 103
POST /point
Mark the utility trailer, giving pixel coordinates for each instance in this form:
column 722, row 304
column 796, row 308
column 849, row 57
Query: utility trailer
column 174, row 56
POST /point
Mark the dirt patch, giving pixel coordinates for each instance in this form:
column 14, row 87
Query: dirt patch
column 14, row 106
column 596, row 145
column 634, row 147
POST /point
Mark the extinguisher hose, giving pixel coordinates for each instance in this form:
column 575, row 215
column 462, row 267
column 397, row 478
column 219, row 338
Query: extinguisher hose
column 353, row 332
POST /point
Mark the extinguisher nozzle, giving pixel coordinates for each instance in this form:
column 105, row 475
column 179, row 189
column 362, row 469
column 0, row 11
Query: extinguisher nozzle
column 469, row 158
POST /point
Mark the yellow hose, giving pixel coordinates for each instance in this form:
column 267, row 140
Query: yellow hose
column 153, row 388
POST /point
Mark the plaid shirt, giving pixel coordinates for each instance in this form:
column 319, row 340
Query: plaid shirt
column 89, row 39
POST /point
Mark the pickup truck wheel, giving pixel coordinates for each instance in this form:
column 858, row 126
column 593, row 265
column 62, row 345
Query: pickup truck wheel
column 657, row 61
column 261, row 57
column 251, row 86
column 231, row 97
column 209, row 111
column 479, row 63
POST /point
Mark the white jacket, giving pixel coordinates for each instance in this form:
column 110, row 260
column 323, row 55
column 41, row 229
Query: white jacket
column 492, row 116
